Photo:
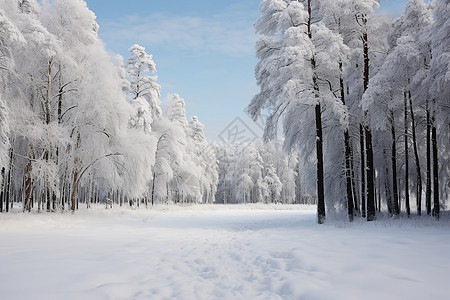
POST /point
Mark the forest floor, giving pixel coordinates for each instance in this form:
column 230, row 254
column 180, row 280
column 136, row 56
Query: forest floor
column 220, row 252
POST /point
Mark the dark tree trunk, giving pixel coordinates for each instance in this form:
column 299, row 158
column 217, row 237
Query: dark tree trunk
column 370, row 177
column 319, row 135
column 369, row 147
column 320, row 180
column 394, row 167
column 428, row 191
column 2, row 188
column 366, row 59
column 368, row 134
column 63, row 194
column 363, row 171
column 8, row 179
column 387, row 188
column 375, row 191
column 436, row 208
column 28, row 187
column 355, row 198
column 73, row 201
column 363, row 130
column 153, row 188
column 8, row 188
column 47, row 197
column 408, row 210
column 348, row 174
column 416, row 156
column 379, row 195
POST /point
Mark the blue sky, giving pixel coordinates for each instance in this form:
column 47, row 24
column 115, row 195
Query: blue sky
column 203, row 49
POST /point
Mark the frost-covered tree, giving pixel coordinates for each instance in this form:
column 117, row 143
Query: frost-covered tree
column 204, row 156
column 141, row 117
column 225, row 156
column 67, row 109
column 28, row 6
column 176, row 111
column 297, row 72
column 144, row 90
column 67, row 131
column 437, row 84
column 4, row 133
column 285, row 165
column 40, row 134
column 187, row 173
column 352, row 20
column 260, row 173
column 162, row 171
column 273, row 184
column 9, row 34
column 388, row 97
column 100, row 114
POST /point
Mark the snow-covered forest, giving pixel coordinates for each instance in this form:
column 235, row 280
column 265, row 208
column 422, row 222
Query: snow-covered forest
column 363, row 98
column 79, row 126
column 110, row 190
column 357, row 107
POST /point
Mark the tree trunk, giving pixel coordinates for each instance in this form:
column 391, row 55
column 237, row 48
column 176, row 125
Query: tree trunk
column 60, row 98
column 63, row 194
column 320, row 180
column 2, row 188
column 47, row 196
column 319, row 135
column 394, row 167
column 436, row 208
column 7, row 190
column 355, row 197
column 348, row 174
column 74, row 191
column 379, row 195
column 366, row 57
column 370, row 177
column 8, row 179
column 368, row 134
column 363, row 171
column 153, row 188
column 387, row 187
column 28, row 187
column 428, row 191
column 416, row 155
column 375, row 191
column 408, row 210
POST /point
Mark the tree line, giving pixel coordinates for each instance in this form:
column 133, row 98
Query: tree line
column 362, row 100
column 79, row 127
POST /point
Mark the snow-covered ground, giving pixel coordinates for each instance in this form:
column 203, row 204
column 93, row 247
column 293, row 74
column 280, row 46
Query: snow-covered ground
column 219, row 252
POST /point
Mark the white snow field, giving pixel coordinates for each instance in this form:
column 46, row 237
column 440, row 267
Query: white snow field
column 220, row 252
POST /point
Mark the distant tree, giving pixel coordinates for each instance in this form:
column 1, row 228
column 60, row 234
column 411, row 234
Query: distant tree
column 144, row 89
column 187, row 173
column 204, row 156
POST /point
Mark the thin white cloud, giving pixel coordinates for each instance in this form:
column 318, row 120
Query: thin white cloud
column 230, row 33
